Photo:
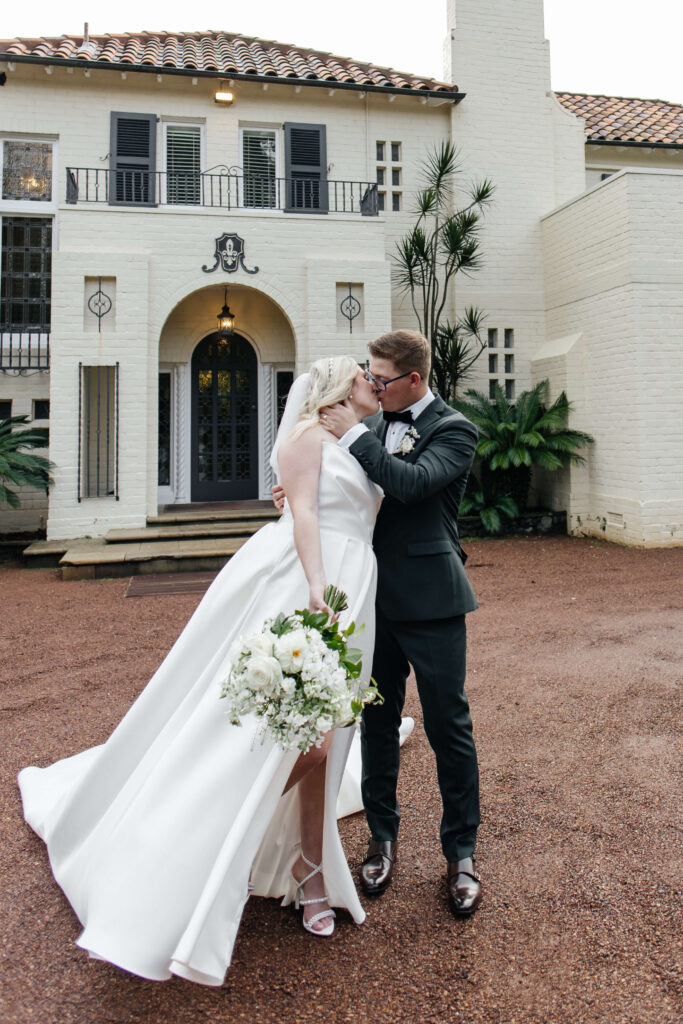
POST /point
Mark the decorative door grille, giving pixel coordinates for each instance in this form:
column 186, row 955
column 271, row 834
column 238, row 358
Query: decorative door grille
column 224, row 420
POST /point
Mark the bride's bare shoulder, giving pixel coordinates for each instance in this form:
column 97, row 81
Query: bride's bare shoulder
column 306, row 445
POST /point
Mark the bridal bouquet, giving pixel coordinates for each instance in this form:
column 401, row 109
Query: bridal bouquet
column 297, row 674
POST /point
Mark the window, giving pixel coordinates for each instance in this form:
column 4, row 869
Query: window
column 5, row 408
column 493, row 364
column 306, row 168
column 41, row 408
column 133, row 159
column 509, row 336
column 509, row 364
column 259, row 163
column 183, row 163
column 99, row 427
column 395, row 176
column 25, row 286
column 164, row 429
column 381, row 199
column 493, row 337
column 493, row 384
column 283, row 382
column 510, row 389
column 27, row 171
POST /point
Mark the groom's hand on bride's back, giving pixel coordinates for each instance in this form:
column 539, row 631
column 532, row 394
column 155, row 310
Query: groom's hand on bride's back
column 278, row 493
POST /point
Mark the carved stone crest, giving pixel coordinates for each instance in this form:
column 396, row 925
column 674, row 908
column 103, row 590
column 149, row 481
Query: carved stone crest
column 229, row 255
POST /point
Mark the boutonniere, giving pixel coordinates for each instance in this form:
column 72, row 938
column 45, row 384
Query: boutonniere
column 407, row 442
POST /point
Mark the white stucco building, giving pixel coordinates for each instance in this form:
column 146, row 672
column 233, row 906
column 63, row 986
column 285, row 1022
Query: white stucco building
column 133, row 195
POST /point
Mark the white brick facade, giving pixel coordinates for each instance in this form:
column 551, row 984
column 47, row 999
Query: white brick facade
column 586, row 284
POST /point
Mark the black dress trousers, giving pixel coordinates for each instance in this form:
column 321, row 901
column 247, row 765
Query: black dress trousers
column 437, row 651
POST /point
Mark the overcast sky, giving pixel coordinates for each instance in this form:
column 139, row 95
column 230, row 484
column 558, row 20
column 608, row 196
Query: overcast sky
column 618, row 47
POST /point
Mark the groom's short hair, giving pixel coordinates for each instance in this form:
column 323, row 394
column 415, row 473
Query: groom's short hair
column 409, row 351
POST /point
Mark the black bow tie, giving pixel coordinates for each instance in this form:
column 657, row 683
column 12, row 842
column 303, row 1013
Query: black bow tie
column 398, row 417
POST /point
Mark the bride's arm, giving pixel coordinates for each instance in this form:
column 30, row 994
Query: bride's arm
column 299, row 465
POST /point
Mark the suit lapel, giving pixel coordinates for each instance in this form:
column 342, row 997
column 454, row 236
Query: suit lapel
column 378, row 425
column 430, row 416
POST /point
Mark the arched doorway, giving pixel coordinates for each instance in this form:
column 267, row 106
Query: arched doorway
column 224, row 419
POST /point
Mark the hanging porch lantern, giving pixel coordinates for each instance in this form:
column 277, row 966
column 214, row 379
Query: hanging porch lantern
column 226, row 319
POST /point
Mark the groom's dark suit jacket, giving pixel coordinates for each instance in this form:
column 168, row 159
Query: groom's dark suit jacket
column 419, row 558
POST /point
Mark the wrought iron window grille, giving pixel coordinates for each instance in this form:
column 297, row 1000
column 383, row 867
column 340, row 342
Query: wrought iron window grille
column 98, row 432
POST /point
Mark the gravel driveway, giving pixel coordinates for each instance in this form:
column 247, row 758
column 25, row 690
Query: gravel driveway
column 575, row 658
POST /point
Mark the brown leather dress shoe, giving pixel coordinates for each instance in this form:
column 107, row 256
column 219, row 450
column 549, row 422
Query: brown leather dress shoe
column 464, row 887
column 377, row 869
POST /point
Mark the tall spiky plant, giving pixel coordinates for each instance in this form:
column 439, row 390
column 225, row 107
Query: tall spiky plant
column 19, row 468
column 514, row 436
column 442, row 243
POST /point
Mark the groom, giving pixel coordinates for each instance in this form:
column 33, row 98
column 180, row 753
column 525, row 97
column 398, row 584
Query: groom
column 419, row 451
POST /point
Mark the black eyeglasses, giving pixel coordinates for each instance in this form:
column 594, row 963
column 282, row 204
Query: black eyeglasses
column 382, row 385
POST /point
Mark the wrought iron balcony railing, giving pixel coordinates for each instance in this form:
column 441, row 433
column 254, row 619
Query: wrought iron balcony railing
column 224, row 190
column 24, row 352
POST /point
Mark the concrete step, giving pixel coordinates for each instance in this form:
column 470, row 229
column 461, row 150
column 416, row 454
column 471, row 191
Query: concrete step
column 45, row 554
column 98, row 559
column 189, row 530
column 214, row 516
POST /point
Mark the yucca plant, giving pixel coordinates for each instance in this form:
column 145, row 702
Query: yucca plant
column 514, row 436
column 456, row 350
column 18, row 467
column 442, row 243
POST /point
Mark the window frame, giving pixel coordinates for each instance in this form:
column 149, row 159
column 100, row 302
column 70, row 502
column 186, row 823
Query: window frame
column 179, row 122
column 30, row 207
column 278, row 132
column 40, row 331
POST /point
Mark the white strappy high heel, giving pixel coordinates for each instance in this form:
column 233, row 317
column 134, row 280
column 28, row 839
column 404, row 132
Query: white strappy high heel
column 300, row 902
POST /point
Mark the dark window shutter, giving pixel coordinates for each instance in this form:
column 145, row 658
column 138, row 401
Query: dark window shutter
column 306, row 168
column 133, row 159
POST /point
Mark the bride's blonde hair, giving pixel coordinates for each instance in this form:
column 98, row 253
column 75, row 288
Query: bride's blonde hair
column 331, row 381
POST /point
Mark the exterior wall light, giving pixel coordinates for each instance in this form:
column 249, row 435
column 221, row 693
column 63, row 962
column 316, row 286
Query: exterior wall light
column 223, row 96
column 226, row 319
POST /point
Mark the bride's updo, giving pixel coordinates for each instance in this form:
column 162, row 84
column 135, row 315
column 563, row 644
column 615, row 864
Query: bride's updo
column 331, row 381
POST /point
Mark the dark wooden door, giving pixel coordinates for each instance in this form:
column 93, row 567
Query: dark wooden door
column 224, row 420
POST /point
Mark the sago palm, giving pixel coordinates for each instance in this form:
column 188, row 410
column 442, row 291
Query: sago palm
column 18, row 467
column 514, row 436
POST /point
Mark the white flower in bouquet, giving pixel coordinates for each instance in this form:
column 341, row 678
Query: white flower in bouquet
column 291, row 649
column 264, row 674
column 263, row 643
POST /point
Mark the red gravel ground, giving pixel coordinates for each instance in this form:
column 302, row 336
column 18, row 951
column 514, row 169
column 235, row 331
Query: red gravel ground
column 575, row 656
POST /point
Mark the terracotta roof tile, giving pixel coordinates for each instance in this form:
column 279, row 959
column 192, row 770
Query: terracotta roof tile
column 619, row 119
column 222, row 53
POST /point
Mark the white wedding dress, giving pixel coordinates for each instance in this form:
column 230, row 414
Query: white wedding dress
column 158, row 835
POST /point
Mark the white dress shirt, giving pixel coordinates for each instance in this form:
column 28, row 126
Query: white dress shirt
column 395, row 430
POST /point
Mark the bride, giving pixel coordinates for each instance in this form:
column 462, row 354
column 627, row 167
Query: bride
column 158, row 836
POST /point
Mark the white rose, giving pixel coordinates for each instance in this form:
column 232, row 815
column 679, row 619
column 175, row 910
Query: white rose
column 263, row 673
column 290, row 650
column 262, row 643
